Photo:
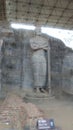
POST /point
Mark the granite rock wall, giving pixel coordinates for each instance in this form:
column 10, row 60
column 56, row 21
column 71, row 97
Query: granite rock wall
column 16, row 63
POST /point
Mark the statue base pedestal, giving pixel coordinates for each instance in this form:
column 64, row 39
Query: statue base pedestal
column 31, row 96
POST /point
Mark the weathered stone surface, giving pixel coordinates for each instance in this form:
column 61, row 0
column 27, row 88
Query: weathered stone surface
column 17, row 68
column 39, row 61
column 58, row 61
column 11, row 68
column 38, row 42
column 1, row 44
column 57, row 53
column 67, row 70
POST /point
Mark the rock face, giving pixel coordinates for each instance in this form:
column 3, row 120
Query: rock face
column 17, row 68
column 11, row 63
column 57, row 53
column 67, row 70
column 1, row 43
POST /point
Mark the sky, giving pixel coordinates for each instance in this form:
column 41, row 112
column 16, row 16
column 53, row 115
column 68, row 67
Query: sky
column 65, row 35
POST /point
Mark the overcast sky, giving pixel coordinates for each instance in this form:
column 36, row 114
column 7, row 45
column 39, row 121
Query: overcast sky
column 65, row 35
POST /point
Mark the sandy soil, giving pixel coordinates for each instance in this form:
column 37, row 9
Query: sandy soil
column 60, row 110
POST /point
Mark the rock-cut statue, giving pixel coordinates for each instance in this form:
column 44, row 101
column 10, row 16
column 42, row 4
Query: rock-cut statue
column 39, row 64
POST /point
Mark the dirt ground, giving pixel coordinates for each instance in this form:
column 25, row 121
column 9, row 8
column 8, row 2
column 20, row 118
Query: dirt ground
column 61, row 110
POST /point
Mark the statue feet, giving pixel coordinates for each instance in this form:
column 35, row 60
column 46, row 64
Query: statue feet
column 41, row 90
